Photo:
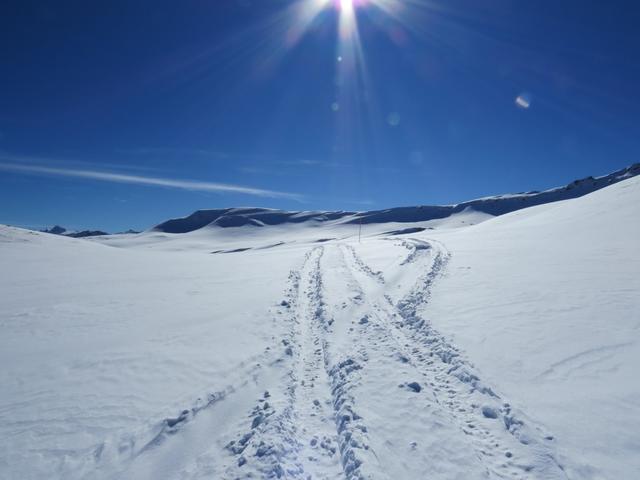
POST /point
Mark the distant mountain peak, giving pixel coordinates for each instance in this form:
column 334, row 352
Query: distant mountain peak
column 58, row 230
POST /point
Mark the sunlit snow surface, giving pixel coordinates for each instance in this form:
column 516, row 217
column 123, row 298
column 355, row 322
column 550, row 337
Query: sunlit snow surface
column 507, row 349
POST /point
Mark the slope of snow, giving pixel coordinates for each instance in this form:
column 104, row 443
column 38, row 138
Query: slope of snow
column 500, row 350
column 547, row 303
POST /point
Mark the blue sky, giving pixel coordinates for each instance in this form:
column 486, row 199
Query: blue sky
column 121, row 114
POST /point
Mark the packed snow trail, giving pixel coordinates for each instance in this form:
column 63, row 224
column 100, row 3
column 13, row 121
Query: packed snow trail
column 506, row 445
column 403, row 437
column 297, row 439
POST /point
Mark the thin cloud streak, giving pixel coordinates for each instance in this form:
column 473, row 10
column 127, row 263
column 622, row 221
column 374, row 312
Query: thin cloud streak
column 192, row 185
column 207, row 154
column 313, row 163
column 164, row 151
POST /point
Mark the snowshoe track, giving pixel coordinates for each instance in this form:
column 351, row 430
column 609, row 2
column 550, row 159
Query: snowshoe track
column 295, row 436
column 510, row 451
column 314, row 431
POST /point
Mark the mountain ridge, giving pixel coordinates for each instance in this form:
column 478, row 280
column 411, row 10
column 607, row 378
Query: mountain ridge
column 493, row 205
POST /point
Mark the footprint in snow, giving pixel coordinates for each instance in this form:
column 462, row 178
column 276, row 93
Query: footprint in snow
column 413, row 386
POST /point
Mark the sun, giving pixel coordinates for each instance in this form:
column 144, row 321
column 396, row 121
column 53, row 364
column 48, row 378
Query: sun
column 352, row 4
column 346, row 4
column 302, row 15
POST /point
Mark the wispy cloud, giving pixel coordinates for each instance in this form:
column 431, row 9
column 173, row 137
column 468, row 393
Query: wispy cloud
column 114, row 177
column 69, row 163
column 249, row 163
column 211, row 154
column 312, row 163
column 172, row 151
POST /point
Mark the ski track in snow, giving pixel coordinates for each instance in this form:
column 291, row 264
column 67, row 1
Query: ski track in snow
column 119, row 453
column 578, row 361
column 346, row 340
column 416, row 248
column 297, row 439
column 513, row 449
column 315, row 432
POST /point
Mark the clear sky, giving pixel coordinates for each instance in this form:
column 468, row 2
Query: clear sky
column 121, row 113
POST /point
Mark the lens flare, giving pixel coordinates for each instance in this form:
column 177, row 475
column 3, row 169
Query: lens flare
column 355, row 107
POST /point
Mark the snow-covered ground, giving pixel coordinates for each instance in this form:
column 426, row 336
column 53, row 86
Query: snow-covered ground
column 504, row 349
column 546, row 301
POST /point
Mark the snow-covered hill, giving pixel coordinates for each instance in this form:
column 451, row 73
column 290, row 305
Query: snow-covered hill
column 432, row 348
column 490, row 206
column 546, row 301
